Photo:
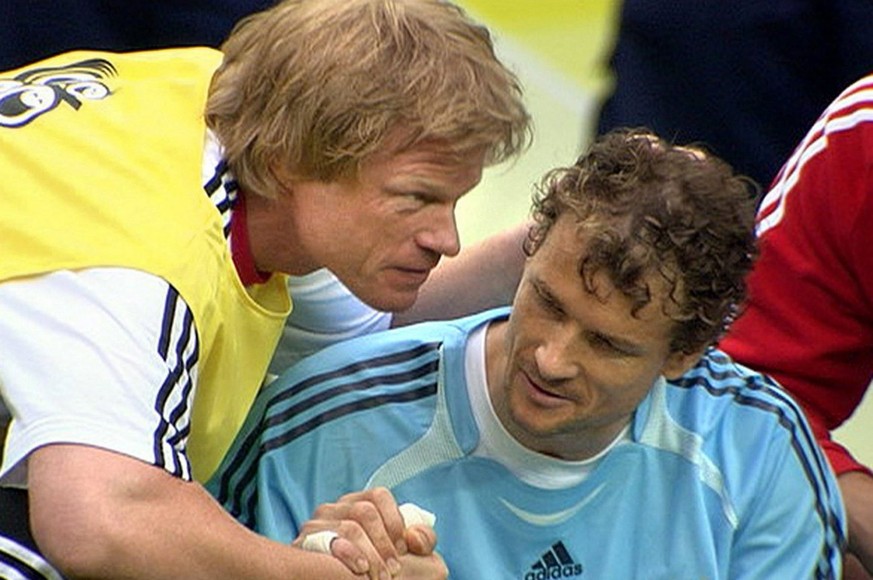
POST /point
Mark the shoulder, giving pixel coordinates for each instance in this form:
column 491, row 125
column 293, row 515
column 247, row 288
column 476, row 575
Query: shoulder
column 750, row 432
column 381, row 386
column 393, row 360
column 369, row 353
column 744, row 423
column 753, row 446
column 738, row 416
column 717, row 387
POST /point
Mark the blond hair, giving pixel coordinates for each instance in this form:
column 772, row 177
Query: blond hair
column 316, row 86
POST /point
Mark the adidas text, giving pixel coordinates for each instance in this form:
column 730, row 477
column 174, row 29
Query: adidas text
column 567, row 571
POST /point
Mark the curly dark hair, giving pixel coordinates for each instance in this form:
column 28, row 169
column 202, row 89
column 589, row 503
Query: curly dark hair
column 649, row 206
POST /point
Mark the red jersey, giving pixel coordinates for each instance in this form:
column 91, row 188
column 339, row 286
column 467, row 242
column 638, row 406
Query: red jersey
column 809, row 321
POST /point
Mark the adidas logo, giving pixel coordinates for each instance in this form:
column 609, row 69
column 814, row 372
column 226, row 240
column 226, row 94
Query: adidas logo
column 555, row 563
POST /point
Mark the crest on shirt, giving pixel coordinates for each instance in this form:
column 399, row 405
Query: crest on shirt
column 39, row 90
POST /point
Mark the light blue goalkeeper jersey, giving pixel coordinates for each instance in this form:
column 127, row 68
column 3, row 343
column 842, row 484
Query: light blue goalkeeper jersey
column 720, row 477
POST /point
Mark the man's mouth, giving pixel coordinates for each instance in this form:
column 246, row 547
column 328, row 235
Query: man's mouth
column 412, row 276
column 540, row 392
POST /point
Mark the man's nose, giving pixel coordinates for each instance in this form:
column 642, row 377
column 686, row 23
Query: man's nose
column 554, row 356
column 441, row 234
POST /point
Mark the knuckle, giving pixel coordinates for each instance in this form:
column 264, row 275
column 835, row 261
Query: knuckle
column 382, row 495
column 350, row 529
column 322, row 510
column 363, row 511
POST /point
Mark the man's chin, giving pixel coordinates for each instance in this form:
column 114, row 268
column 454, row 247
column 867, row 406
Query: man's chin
column 392, row 300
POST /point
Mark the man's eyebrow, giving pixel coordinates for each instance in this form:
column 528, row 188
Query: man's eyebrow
column 629, row 346
column 418, row 184
column 622, row 344
column 542, row 288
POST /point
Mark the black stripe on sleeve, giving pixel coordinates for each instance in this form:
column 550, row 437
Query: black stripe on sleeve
column 247, row 517
column 172, row 402
column 214, row 182
column 762, row 393
column 19, row 554
column 246, row 478
column 339, row 411
column 399, row 357
column 399, row 378
column 19, row 559
column 222, row 190
column 242, row 468
column 167, row 322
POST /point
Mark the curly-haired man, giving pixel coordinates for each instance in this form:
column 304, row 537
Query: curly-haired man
column 591, row 428
column 155, row 202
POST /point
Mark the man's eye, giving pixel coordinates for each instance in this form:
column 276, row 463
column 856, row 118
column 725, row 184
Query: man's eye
column 602, row 343
column 421, row 196
column 549, row 305
column 409, row 202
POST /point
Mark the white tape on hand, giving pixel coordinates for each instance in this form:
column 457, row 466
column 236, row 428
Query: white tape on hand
column 412, row 515
column 319, row 541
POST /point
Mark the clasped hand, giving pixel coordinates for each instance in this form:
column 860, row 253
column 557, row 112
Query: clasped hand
column 366, row 531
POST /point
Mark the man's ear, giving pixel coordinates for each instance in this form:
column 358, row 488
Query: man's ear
column 283, row 178
column 678, row 363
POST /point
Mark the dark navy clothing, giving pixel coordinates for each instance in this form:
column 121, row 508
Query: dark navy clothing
column 747, row 78
column 31, row 31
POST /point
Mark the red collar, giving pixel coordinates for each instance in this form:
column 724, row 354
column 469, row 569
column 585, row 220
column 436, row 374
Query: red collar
column 240, row 247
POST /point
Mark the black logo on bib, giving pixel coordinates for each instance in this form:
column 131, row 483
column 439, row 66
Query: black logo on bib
column 39, row 90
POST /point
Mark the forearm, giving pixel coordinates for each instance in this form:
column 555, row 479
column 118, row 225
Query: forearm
column 97, row 514
column 483, row 276
column 857, row 491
